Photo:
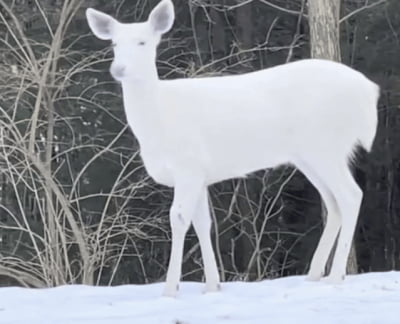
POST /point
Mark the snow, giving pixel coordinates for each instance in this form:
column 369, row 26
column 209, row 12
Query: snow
column 366, row 298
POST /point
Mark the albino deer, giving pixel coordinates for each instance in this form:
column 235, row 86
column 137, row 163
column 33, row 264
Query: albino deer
column 196, row 132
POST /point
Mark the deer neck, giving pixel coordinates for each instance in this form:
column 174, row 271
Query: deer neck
column 141, row 104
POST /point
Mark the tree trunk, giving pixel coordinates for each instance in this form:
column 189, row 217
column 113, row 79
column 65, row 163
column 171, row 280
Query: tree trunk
column 245, row 25
column 325, row 44
column 324, row 29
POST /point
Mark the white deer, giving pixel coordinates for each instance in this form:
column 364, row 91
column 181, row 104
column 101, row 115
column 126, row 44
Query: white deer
column 196, row 132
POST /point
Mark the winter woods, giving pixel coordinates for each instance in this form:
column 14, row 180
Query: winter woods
column 76, row 204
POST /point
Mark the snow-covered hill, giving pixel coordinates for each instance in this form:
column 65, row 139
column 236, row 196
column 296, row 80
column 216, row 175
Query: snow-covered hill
column 364, row 299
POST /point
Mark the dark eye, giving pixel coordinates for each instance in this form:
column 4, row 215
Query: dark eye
column 141, row 43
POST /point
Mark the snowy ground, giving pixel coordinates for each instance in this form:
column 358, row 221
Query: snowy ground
column 368, row 298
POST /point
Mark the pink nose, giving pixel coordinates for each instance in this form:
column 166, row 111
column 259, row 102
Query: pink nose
column 117, row 72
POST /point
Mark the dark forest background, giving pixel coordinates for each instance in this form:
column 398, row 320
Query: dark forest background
column 76, row 205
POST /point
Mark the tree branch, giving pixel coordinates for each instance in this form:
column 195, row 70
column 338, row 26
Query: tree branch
column 367, row 6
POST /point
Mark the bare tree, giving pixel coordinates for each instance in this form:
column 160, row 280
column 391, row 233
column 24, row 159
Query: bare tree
column 324, row 29
column 324, row 21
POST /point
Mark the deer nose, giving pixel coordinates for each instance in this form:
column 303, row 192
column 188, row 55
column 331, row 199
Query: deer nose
column 117, row 72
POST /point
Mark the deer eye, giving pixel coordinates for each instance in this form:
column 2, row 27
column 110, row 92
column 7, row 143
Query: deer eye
column 141, row 43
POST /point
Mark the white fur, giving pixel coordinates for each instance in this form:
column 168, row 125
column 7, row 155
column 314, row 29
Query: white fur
column 196, row 132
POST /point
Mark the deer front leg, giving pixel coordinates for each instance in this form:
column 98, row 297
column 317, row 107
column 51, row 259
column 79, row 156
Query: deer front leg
column 187, row 193
column 202, row 226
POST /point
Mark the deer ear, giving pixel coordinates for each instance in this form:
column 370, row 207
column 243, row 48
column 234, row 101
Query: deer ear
column 101, row 24
column 162, row 17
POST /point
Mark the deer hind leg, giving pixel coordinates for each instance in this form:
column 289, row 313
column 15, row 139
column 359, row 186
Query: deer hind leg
column 348, row 196
column 332, row 226
column 187, row 193
column 202, row 226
